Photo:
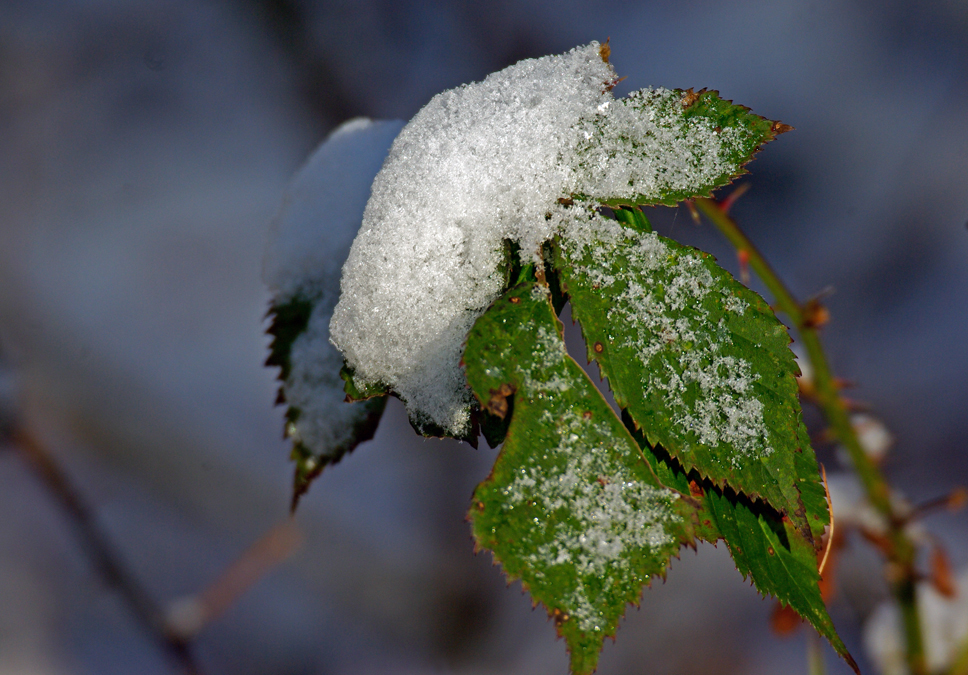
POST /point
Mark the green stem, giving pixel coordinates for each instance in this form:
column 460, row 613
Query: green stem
column 960, row 666
column 901, row 552
column 815, row 664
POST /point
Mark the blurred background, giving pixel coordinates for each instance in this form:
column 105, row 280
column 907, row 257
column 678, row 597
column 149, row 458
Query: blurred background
column 145, row 147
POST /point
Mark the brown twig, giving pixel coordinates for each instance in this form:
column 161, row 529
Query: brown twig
column 187, row 616
column 107, row 561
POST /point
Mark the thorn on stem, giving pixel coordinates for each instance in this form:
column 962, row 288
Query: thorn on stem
column 815, row 314
column 941, row 577
column 953, row 502
column 727, row 203
column 744, row 265
column 692, row 211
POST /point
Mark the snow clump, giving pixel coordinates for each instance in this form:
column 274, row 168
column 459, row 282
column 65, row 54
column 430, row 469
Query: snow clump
column 485, row 163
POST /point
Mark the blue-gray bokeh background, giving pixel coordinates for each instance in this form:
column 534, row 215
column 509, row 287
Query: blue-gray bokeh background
column 146, row 145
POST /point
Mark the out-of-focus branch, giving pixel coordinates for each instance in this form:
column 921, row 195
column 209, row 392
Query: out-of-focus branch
column 107, row 562
column 187, row 616
column 899, row 550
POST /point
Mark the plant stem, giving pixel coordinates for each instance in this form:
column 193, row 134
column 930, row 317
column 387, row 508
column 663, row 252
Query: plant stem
column 901, row 552
column 815, row 664
column 960, row 666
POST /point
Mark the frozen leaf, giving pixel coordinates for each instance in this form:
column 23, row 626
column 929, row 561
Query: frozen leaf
column 574, row 510
column 496, row 161
column 571, row 508
column 699, row 361
column 661, row 146
column 310, row 239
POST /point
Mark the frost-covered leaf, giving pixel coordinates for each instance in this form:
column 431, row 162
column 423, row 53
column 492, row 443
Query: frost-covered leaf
column 661, row 146
column 699, row 361
column 571, row 507
column 767, row 549
column 310, row 239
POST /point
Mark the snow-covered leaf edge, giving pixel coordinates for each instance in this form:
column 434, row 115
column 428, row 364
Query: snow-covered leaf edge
column 288, row 321
column 698, row 360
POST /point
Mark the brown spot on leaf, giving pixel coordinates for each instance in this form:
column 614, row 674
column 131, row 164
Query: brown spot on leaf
column 695, row 490
column 587, row 414
column 497, row 405
column 781, row 128
column 515, row 301
column 599, row 347
column 769, row 549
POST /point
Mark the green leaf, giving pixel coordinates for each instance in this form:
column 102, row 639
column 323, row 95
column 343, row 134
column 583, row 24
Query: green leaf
column 322, row 430
column 699, row 361
column 660, row 146
column 777, row 557
column 571, row 507
column 356, row 391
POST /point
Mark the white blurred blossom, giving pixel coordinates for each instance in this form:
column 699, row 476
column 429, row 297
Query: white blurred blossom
column 944, row 626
